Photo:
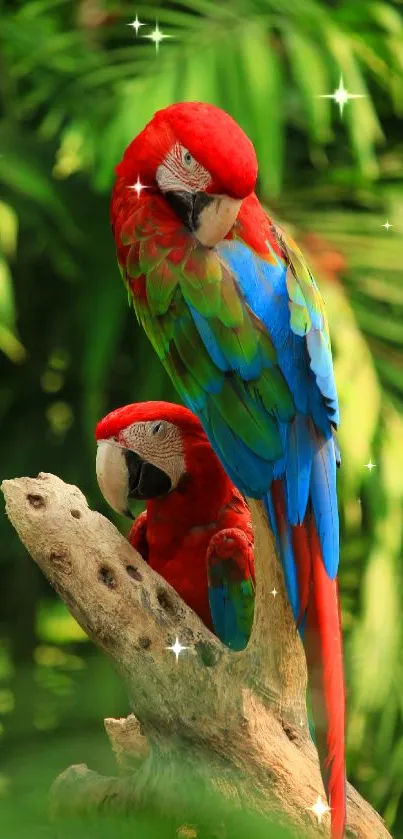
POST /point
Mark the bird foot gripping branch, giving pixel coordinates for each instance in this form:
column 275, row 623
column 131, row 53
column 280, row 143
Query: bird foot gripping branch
column 251, row 747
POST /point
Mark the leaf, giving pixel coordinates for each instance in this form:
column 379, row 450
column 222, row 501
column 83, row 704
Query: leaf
column 197, row 80
column 7, row 309
column 8, row 229
column 357, row 384
column 387, row 17
column 361, row 118
column 380, row 629
column 311, row 75
column 107, row 315
column 24, row 175
column 9, row 343
column 261, row 73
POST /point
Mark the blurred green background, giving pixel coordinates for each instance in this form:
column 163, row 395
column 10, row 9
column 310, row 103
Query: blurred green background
column 76, row 85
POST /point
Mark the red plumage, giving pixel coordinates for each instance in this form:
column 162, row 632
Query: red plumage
column 175, row 532
column 116, row 421
column 212, row 137
column 324, row 651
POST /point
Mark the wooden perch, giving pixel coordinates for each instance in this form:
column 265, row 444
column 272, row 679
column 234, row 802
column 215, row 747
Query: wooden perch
column 237, row 721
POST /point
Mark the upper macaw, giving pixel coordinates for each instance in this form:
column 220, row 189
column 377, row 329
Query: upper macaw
column 196, row 530
column 235, row 315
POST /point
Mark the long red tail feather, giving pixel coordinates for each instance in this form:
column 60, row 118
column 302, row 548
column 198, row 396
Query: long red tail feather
column 324, row 653
column 322, row 637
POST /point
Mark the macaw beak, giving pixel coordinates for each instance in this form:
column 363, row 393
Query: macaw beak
column 208, row 217
column 124, row 476
column 188, row 205
column 113, row 476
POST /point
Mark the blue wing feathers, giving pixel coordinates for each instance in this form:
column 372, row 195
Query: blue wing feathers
column 268, row 503
column 322, row 366
column 307, row 461
column 247, row 369
column 282, row 536
column 264, row 287
column 299, row 462
column 249, row 472
column 224, row 618
column 209, row 340
column 324, row 502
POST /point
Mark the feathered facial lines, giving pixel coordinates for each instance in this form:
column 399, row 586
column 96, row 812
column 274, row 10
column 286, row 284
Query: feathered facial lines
column 180, row 171
column 156, row 429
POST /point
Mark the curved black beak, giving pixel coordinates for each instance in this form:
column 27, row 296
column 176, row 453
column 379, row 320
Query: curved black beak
column 145, row 480
column 188, row 205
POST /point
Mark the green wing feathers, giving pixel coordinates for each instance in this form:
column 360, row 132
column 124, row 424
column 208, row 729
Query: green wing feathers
column 218, row 354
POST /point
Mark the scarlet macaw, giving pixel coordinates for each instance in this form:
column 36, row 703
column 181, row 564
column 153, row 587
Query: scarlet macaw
column 236, row 317
column 196, row 531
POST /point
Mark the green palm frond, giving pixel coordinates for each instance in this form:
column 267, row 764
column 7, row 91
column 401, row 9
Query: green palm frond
column 266, row 62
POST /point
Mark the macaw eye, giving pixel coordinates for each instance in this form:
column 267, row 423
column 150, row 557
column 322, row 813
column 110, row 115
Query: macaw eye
column 187, row 159
column 157, row 429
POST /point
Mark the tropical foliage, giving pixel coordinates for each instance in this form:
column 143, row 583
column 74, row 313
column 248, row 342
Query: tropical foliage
column 76, row 85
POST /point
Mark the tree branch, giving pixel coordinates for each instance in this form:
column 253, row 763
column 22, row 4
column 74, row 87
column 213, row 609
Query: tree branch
column 236, row 721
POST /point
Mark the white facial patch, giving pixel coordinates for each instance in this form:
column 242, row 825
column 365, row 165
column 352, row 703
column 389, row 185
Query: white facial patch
column 157, row 442
column 180, row 171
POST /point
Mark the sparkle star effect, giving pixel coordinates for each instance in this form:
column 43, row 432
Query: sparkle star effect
column 370, row 466
column 274, row 592
column 138, row 187
column 341, row 96
column 136, row 23
column 177, row 648
column 319, row 809
column 387, row 225
column 156, row 36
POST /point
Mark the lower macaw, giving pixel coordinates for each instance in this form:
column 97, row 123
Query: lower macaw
column 236, row 317
column 196, row 531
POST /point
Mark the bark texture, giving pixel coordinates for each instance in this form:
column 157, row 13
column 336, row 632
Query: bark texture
column 235, row 721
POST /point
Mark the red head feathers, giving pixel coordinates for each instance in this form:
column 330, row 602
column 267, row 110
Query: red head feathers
column 147, row 450
column 211, row 136
column 121, row 418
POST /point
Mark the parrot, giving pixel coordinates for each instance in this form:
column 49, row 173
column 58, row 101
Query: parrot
column 196, row 530
column 233, row 311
